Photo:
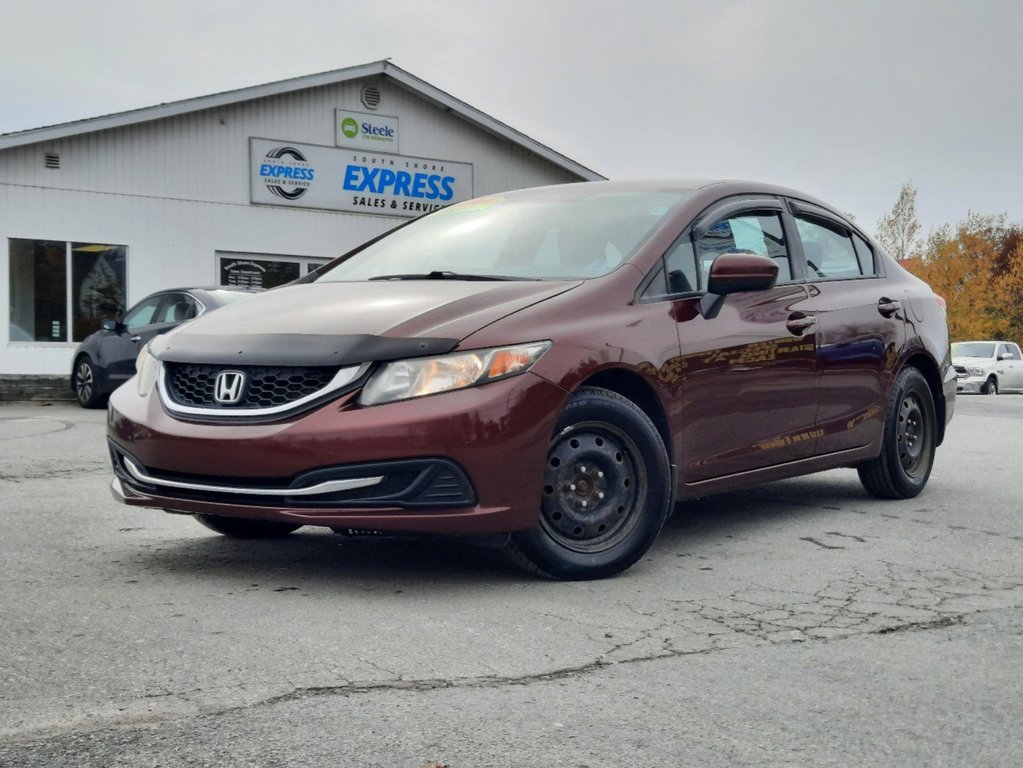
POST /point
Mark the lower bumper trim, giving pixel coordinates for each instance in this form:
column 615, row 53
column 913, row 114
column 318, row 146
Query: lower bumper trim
column 331, row 486
column 433, row 483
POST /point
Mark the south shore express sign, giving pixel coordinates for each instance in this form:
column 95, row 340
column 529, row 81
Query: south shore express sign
column 311, row 176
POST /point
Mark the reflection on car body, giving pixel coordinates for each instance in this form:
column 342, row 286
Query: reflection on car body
column 554, row 366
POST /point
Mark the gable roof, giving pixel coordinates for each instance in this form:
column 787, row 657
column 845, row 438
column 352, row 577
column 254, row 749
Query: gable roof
column 405, row 79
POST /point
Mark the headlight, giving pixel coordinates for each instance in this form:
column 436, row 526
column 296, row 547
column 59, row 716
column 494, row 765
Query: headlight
column 975, row 371
column 147, row 369
column 404, row 379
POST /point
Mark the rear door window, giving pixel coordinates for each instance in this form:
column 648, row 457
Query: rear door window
column 829, row 250
column 178, row 308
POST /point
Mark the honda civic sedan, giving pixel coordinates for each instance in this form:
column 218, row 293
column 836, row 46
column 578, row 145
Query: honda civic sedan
column 553, row 369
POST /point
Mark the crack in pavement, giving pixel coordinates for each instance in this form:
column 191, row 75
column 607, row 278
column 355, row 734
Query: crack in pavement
column 820, row 544
column 897, row 599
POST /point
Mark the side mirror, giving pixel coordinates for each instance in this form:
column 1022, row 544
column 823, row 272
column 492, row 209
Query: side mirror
column 733, row 273
column 109, row 325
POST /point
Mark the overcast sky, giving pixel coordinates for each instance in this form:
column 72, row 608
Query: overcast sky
column 843, row 100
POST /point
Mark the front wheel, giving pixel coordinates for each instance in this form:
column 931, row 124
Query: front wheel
column 85, row 385
column 908, row 442
column 240, row 528
column 606, row 491
column 990, row 386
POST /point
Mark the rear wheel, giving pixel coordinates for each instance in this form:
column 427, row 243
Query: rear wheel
column 605, row 491
column 990, row 386
column 240, row 528
column 85, row 384
column 908, row 443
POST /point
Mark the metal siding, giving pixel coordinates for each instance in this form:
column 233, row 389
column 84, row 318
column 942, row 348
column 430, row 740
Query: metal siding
column 176, row 190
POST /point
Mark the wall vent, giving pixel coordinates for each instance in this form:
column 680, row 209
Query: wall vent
column 370, row 96
column 51, row 160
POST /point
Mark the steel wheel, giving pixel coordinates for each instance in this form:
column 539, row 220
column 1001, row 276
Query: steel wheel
column 907, row 443
column 911, row 435
column 606, row 491
column 589, row 500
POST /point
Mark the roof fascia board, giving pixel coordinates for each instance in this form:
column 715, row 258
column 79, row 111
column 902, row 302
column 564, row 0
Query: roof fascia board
column 485, row 121
column 175, row 108
column 227, row 98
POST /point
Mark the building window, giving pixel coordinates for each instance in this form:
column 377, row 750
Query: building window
column 62, row 291
column 247, row 270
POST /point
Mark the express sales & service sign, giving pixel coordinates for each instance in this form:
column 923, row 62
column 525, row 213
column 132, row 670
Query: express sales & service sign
column 311, row 176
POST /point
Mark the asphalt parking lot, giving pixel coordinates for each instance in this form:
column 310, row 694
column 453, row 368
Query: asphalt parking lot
column 800, row 623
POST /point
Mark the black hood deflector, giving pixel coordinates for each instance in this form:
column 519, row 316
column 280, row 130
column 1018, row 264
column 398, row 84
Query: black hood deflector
column 292, row 349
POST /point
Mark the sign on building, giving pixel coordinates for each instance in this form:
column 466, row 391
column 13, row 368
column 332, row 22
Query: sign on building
column 362, row 130
column 311, row 176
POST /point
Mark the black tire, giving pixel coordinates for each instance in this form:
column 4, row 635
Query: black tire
column 240, row 528
column 83, row 380
column 990, row 386
column 606, row 491
column 908, row 443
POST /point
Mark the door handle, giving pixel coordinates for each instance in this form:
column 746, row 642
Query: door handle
column 136, row 339
column 797, row 324
column 888, row 307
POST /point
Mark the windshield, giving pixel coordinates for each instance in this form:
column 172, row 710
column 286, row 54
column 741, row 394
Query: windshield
column 559, row 233
column 973, row 349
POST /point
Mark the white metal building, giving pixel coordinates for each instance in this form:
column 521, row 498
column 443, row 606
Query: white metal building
column 253, row 186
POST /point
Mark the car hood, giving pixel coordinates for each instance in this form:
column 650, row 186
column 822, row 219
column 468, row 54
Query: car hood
column 976, row 362
column 350, row 323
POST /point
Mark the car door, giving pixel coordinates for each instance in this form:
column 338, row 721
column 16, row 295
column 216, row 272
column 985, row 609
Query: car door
column 1017, row 365
column 861, row 328
column 1012, row 378
column 749, row 373
column 137, row 327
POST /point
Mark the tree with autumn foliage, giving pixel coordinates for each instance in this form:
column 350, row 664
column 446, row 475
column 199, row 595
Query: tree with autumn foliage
column 1009, row 287
column 977, row 267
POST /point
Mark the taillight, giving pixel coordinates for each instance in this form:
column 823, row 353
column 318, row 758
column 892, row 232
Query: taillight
column 941, row 304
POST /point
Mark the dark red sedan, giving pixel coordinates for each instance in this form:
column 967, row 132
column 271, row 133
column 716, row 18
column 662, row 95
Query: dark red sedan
column 558, row 366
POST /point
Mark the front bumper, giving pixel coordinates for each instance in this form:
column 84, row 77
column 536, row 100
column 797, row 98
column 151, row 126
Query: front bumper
column 970, row 384
column 466, row 462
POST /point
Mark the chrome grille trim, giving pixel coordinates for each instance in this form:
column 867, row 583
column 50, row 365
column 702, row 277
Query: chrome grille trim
column 344, row 377
column 331, row 486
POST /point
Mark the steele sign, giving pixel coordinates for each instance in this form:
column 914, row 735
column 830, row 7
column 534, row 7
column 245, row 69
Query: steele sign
column 361, row 130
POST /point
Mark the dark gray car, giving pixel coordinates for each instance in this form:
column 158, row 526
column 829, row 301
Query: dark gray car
column 106, row 358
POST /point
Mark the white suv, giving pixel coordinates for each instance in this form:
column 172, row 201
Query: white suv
column 987, row 367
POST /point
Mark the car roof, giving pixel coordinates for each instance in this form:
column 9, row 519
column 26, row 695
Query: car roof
column 705, row 190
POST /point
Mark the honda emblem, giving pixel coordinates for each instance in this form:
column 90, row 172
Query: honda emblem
column 229, row 387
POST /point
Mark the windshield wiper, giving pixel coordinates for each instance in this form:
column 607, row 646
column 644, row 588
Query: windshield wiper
column 444, row 274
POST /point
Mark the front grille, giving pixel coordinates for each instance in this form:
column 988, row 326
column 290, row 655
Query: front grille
column 961, row 370
column 265, row 386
